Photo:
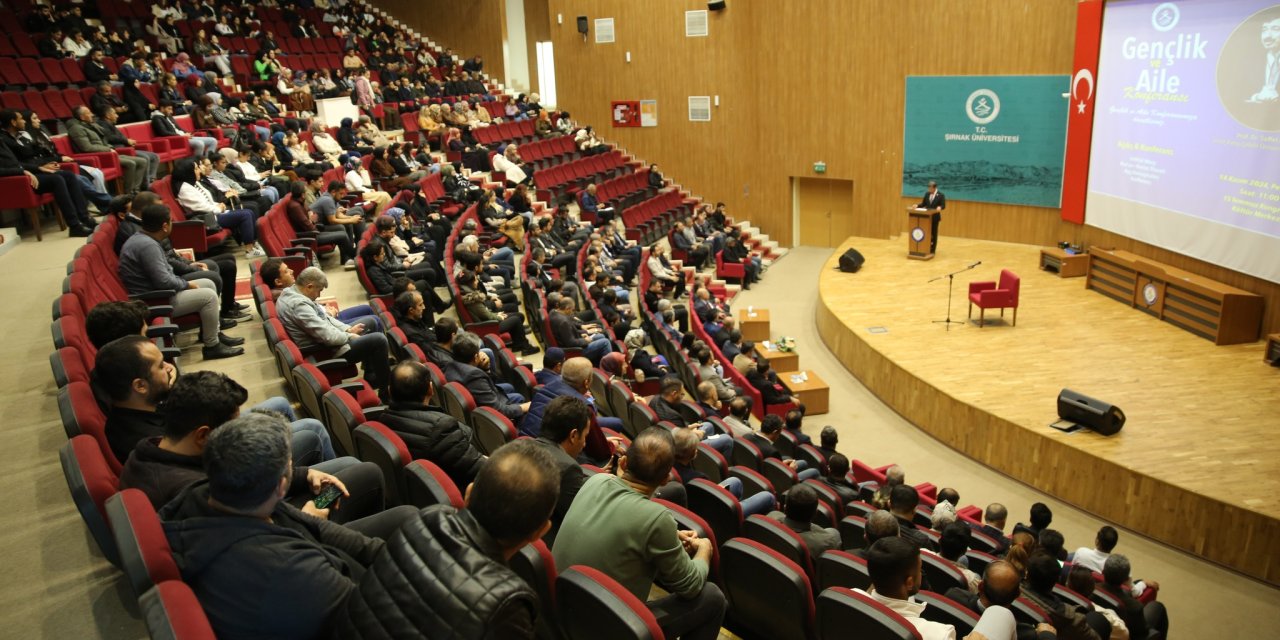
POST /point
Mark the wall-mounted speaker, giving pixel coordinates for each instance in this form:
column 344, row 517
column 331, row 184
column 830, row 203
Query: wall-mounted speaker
column 1103, row 417
column 582, row 25
column 716, row 5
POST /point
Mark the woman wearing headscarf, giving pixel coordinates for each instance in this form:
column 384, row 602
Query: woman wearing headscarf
column 325, row 144
column 509, row 163
column 643, row 364
column 138, row 105
column 496, row 217
column 359, row 184
column 430, row 121
column 381, row 169
column 370, row 134
column 182, row 66
column 349, row 139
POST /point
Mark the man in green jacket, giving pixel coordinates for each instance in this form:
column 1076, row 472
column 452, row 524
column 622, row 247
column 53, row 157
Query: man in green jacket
column 614, row 527
column 86, row 138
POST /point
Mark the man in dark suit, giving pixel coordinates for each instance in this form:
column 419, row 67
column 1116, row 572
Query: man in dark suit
column 1072, row 622
column 770, row 431
column 837, row 467
column 994, row 519
column 569, row 333
column 903, row 501
column 1143, row 621
column 468, row 368
column 934, row 201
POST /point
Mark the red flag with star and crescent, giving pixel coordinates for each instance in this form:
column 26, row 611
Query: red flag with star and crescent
column 1075, row 174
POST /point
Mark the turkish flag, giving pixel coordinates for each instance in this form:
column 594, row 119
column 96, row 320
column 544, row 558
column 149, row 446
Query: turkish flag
column 626, row 113
column 1075, row 173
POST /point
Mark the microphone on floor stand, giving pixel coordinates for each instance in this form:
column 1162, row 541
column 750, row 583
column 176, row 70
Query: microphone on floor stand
column 975, row 264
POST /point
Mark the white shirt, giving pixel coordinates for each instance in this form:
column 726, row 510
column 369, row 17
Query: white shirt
column 196, row 199
column 911, row 610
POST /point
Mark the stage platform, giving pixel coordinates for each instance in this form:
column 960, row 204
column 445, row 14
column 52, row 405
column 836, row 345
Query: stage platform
column 1196, row 465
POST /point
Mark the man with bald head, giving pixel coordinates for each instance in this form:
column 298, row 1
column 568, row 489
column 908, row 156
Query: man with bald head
column 1000, row 586
column 614, row 527
column 575, row 381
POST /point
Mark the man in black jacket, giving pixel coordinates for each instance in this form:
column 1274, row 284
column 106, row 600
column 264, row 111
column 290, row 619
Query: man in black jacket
column 259, row 566
column 429, row 434
column 1143, row 621
column 105, row 120
column 1072, row 622
column 770, row 431
column 903, row 500
column 45, row 177
column 445, row 573
column 467, row 369
column 570, row 333
column 202, row 401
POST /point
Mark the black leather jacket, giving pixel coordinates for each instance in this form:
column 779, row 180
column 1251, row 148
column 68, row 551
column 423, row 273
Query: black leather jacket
column 440, row 576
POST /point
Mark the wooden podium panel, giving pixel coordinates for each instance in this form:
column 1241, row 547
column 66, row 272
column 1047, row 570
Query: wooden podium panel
column 1066, row 265
column 780, row 361
column 812, row 391
column 919, row 234
column 754, row 324
column 1210, row 309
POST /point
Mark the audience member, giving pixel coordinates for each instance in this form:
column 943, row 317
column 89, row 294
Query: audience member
column 1041, row 518
column 1080, row 580
column 1001, row 585
column 429, row 434
column 770, row 431
column 110, row 320
column 470, row 367
column 952, row 544
column 1143, row 621
column 199, row 403
column 894, row 565
column 837, row 468
column 993, row 520
column 445, row 572
column 552, row 365
column 880, row 524
column 259, row 566
column 686, row 450
column 798, row 507
column 903, row 501
column 893, row 476
column 575, row 381
column 1072, row 622
column 615, row 528
column 311, row 327
column 565, row 426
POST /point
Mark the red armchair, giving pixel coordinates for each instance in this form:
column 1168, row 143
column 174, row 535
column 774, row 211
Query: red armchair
column 726, row 270
column 16, row 193
column 989, row 295
column 107, row 161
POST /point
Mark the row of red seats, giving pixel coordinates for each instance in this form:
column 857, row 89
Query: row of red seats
column 649, row 220
column 571, row 177
column 544, row 153
column 505, row 132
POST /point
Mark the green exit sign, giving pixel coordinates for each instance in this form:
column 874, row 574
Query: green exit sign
column 819, row 167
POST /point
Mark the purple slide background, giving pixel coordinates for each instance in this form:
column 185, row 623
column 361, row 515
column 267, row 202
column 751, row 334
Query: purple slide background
column 1190, row 182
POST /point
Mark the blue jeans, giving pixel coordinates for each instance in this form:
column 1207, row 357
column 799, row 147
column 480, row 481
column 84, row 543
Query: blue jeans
column 804, row 472
column 270, row 194
column 597, row 348
column 720, row 442
column 759, row 503
column 504, row 257
column 280, row 405
column 202, row 146
column 240, row 222
column 607, row 422
column 360, row 314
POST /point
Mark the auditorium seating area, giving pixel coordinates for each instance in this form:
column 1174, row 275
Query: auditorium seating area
column 773, row 586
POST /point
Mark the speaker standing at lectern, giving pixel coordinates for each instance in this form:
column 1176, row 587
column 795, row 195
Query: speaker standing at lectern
column 934, row 201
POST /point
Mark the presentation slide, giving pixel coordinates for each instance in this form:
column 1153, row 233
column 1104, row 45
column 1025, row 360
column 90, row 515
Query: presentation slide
column 1186, row 137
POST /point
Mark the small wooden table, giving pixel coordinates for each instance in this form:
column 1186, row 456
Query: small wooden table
column 1066, row 264
column 779, row 361
column 1272, row 353
column 754, row 325
column 813, row 392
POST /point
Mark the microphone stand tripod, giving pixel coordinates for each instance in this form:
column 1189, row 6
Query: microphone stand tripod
column 951, row 280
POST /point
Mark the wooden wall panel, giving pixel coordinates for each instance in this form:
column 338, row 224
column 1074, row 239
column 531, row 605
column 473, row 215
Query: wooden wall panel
column 469, row 28
column 537, row 22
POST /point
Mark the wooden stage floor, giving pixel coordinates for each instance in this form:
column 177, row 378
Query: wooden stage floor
column 1196, row 465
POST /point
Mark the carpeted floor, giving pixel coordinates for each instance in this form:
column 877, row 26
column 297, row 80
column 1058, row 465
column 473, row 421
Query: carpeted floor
column 57, row 586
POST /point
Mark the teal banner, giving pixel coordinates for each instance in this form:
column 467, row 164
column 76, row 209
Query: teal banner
column 986, row 138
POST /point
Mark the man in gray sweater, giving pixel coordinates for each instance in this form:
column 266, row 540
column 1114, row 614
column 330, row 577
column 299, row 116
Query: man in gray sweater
column 143, row 268
column 310, row 326
column 86, row 138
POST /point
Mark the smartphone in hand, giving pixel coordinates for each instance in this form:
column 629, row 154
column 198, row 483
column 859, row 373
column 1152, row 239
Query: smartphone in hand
column 328, row 496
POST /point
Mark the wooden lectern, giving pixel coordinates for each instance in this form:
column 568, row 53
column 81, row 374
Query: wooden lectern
column 919, row 233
